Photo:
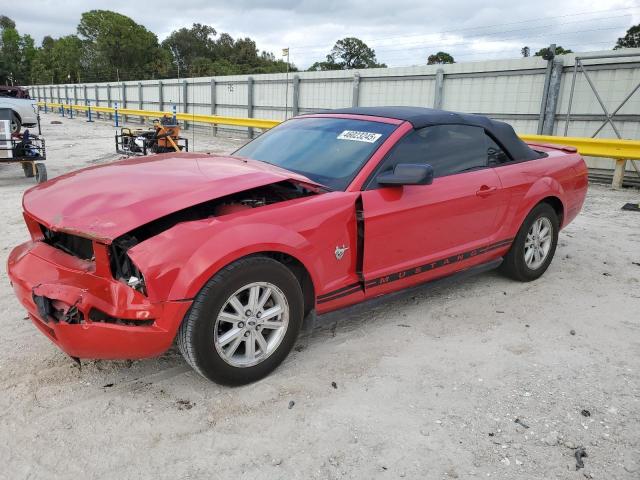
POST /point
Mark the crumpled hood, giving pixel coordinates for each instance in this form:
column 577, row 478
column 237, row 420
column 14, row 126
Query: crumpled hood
column 106, row 201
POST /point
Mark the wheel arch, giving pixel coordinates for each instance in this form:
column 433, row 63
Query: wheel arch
column 17, row 115
column 299, row 270
column 545, row 190
column 557, row 206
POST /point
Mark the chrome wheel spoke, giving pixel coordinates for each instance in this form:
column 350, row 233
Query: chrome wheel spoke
column 237, row 306
column 262, row 343
column 251, row 324
column 266, row 293
column 250, row 343
column 229, row 317
column 528, row 254
column 272, row 312
column 253, row 298
column 229, row 336
column 234, row 346
column 271, row 325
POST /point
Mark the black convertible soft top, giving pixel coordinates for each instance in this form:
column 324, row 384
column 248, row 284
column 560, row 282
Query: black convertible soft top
column 421, row 117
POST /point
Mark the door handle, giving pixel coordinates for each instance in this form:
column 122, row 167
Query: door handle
column 485, row 191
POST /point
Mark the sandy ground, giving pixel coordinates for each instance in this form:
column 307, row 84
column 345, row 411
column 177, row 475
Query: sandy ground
column 428, row 386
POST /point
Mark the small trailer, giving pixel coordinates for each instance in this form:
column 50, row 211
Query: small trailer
column 163, row 137
column 24, row 148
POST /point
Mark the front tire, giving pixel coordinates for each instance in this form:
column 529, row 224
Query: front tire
column 16, row 125
column 243, row 322
column 534, row 246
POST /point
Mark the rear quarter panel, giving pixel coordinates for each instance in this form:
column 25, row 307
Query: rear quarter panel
column 561, row 174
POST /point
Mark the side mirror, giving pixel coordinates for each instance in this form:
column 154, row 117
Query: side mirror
column 407, row 174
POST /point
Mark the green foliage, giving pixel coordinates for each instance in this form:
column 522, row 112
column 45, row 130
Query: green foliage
column 191, row 47
column 525, row 51
column 544, row 52
column 16, row 53
column 111, row 47
column 116, row 47
column 347, row 54
column 440, row 58
column 197, row 53
column 630, row 40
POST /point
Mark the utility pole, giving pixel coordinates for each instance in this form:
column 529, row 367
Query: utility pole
column 285, row 53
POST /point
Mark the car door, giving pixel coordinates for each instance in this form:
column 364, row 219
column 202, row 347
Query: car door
column 417, row 232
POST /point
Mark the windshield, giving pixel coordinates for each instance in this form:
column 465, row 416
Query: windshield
column 330, row 151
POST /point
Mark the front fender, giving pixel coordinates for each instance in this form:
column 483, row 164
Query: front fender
column 179, row 261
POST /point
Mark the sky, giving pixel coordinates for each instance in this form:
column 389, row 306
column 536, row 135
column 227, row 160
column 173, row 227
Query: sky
column 402, row 32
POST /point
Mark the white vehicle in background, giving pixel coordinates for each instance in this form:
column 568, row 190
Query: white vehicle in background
column 24, row 111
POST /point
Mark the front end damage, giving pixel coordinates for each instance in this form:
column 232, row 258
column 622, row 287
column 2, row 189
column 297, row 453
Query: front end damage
column 88, row 296
column 86, row 313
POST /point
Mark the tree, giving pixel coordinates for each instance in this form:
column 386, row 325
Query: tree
column 544, row 52
column 630, row 40
column 196, row 52
column 347, row 54
column 526, row 51
column 189, row 46
column 440, row 57
column 16, row 53
column 116, row 47
column 6, row 22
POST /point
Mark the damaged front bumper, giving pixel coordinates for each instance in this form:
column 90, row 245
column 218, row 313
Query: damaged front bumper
column 87, row 315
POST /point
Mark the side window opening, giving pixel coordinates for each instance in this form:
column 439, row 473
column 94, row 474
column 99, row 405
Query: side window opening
column 449, row 149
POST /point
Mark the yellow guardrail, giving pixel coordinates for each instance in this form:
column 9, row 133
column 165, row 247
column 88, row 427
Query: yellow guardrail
column 619, row 150
column 189, row 117
column 593, row 147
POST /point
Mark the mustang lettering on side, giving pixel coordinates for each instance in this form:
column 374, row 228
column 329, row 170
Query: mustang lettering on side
column 227, row 254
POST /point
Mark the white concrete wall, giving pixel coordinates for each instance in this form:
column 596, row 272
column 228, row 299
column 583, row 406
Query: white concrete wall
column 510, row 90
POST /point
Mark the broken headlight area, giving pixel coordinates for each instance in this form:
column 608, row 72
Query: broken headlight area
column 98, row 316
column 122, row 268
column 56, row 311
column 79, row 247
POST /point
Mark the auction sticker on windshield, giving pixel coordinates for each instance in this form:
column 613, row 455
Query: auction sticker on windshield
column 359, row 136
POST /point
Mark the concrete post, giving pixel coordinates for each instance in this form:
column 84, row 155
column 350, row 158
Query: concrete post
column 355, row 95
column 618, row 173
column 160, row 96
column 439, row 89
column 553, row 93
column 86, row 100
column 123, row 100
column 250, row 104
column 214, row 128
column 109, row 99
column 295, row 104
column 185, row 101
column 545, row 91
column 140, row 101
column 97, row 100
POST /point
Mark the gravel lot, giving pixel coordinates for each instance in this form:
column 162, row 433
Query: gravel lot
column 427, row 386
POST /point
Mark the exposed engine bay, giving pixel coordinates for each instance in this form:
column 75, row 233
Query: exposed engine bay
column 123, row 268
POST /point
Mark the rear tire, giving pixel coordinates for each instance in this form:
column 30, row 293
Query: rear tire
column 534, row 246
column 215, row 338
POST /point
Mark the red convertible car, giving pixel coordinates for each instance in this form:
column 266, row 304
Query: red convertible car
column 228, row 254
